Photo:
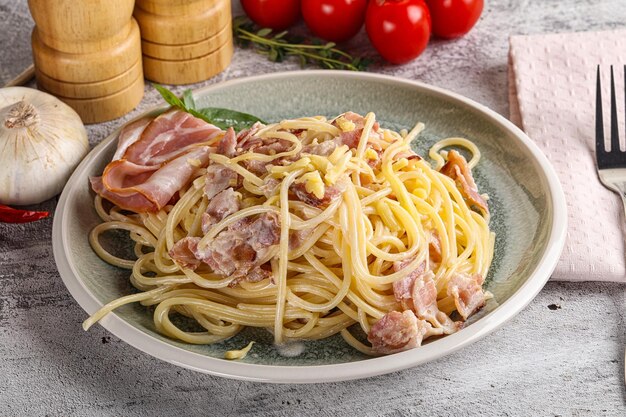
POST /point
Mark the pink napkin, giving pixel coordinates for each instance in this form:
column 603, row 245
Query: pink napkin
column 552, row 98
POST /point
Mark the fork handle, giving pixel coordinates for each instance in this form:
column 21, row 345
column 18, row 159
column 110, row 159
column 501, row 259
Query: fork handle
column 615, row 180
column 620, row 188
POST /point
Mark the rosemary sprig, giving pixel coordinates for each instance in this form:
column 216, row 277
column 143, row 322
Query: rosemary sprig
column 281, row 45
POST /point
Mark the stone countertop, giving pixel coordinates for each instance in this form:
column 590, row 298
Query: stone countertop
column 562, row 355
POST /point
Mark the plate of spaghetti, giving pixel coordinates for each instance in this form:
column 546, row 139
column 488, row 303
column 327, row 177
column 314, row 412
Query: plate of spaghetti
column 356, row 226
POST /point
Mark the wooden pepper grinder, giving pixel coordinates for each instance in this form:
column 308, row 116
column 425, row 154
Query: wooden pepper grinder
column 184, row 41
column 88, row 54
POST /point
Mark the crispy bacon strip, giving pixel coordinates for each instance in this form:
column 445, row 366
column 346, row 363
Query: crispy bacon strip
column 265, row 146
column 396, row 332
column 417, row 292
column 467, row 292
column 184, row 251
column 228, row 143
column 323, row 149
column 434, row 248
column 403, row 289
column 218, row 179
column 456, row 168
column 352, row 137
column 424, row 295
column 331, row 192
column 221, row 206
column 247, row 134
column 236, row 252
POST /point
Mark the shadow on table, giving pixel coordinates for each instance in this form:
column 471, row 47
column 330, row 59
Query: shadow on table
column 105, row 375
column 95, row 373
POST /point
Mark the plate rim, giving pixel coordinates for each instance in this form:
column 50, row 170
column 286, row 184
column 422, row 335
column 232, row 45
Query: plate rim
column 332, row 372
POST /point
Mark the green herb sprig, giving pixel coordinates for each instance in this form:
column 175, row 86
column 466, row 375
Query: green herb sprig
column 222, row 118
column 281, row 45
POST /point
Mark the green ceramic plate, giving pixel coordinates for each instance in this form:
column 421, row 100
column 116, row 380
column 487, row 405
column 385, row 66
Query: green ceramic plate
column 529, row 218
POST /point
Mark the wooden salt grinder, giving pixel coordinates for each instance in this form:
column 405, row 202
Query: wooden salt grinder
column 88, row 53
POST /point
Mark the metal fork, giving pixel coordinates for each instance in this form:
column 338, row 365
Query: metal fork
column 611, row 164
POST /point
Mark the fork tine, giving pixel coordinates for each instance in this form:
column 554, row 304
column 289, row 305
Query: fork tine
column 614, row 120
column 599, row 121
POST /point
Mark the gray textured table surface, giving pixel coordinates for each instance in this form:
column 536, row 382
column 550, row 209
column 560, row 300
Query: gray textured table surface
column 567, row 362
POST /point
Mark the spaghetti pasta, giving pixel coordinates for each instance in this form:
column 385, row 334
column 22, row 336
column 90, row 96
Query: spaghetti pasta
column 318, row 225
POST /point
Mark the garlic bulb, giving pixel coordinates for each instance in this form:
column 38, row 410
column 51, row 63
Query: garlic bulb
column 41, row 141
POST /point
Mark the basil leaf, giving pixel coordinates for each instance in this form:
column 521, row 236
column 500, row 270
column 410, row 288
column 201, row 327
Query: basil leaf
column 224, row 118
column 190, row 103
column 169, row 97
column 196, row 113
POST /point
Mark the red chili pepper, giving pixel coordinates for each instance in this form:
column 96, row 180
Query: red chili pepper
column 11, row 215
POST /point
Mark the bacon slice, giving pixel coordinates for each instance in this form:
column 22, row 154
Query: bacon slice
column 434, row 248
column 240, row 249
column 270, row 187
column 467, row 292
column 331, row 192
column 247, row 134
column 265, row 146
column 129, row 135
column 121, row 176
column 221, row 206
column 256, row 166
column 396, row 332
column 403, row 289
column 297, row 237
column 228, row 143
column 323, row 149
column 155, row 159
column 135, row 202
column 122, row 179
column 456, row 168
column 417, row 292
column 257, row 274
column 169, row 135
column 350, row 138
column 183, row 252
column 217, row 179
column 424, row 295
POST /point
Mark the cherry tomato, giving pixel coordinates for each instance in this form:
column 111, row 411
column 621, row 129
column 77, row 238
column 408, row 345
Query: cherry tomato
column 334, row 20
column 454, row 18
column 398, row 29
column 273, row 14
